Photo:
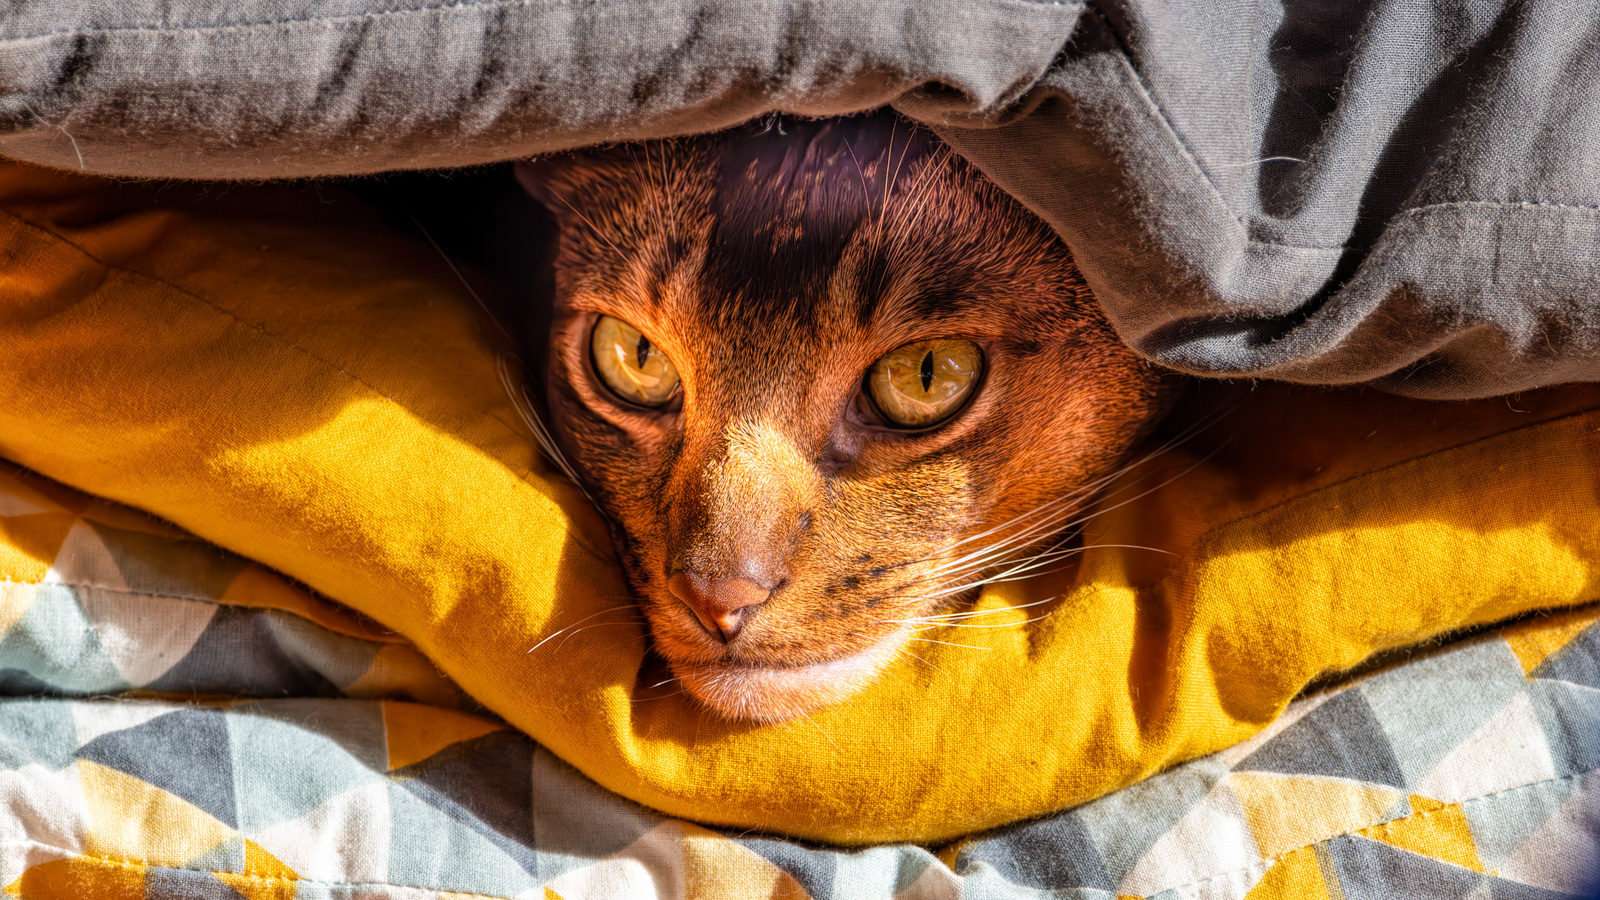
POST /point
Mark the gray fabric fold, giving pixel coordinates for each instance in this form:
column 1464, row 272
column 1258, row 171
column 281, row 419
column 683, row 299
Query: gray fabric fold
column 1316, row 190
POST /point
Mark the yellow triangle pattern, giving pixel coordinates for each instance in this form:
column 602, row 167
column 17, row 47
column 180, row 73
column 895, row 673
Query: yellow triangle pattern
column 417, row 732
column 262, row 864
column 1536, row 639
column 80, row 878
column 132, row 819
column 256, row 887
column 29, row 544
column 1434, row 829
column 1287, row 812
column 714, row 866
column 1296, row 876
column 15, row 598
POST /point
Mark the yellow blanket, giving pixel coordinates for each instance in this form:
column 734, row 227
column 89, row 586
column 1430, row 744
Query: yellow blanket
column 323, row 398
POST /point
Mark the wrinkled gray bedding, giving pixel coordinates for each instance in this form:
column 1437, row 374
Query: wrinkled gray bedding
column 1315, row 190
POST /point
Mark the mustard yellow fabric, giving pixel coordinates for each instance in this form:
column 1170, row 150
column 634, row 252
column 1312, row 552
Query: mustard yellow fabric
column 322, row 397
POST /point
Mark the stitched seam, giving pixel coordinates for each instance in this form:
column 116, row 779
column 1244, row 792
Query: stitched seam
column 1268, row 863
column 268, row 879
column 392, row 638
column 315, row 21
column 427, row 10
column 1498, row 204
column 572, row 530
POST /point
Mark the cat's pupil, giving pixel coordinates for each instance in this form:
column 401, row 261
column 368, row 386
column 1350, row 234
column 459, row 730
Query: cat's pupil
column 642, row 351
column 927, row 372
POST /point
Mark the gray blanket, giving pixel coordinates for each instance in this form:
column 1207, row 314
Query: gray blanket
column 1326, row 191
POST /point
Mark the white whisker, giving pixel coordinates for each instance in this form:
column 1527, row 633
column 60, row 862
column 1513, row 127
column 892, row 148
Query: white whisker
column 602, row 612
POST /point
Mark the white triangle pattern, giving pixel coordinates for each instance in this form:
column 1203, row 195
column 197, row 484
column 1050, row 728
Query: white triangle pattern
column 144, row 635
column 91, row 719
column 1546, row 859
column 40, row 805
column 84, row 560
column 1211, row 838
column 343, row 839
column 1507, row 751
column 1226, row 885
column 649, row 868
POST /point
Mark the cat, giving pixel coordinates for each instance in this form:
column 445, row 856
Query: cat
column 821, row 378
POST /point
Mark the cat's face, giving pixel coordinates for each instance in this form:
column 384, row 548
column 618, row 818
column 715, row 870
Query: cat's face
column 791, row 485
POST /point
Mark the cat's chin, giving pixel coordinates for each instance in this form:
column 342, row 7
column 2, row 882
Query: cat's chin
column 772, row 694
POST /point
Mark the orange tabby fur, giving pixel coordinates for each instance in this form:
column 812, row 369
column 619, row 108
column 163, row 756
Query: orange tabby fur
column 773, row 268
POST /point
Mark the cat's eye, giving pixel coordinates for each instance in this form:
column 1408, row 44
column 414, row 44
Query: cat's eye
column 630, row 364
column 924, row 382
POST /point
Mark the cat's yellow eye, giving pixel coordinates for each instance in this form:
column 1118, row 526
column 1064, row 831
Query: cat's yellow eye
column 925, row 382
column 630, row 364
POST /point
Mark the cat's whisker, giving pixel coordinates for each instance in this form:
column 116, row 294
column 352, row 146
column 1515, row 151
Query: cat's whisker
column 1088, row 487
column 552, row 636
column 519, row 398
column 574, row 632
column 1029, row 563
column 493, row 319
column 1052, row 510
column 825, row 736
column 1051, row 507
column 974, row 613
column 944, row 624
column 997, row 559
column 541, row 434
column 601, row 234
column 949, row 643
column 924, row 660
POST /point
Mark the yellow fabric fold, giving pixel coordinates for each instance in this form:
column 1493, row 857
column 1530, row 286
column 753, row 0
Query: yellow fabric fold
column 326, row 400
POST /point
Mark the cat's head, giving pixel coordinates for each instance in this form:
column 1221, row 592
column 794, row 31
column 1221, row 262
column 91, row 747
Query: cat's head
column 819, row 377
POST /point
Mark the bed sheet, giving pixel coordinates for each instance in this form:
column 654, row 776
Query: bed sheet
column 176, row 721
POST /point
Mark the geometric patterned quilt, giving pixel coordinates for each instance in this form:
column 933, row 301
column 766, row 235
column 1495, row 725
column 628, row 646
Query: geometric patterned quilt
column 177, row 722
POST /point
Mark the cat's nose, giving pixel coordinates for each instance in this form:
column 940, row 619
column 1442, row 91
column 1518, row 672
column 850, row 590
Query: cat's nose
column 718, row 603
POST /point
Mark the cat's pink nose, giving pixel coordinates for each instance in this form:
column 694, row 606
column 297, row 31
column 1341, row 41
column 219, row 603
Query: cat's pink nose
column 719, row 603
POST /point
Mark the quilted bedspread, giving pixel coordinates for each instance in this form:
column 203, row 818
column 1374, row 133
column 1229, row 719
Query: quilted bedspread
column 176, row 721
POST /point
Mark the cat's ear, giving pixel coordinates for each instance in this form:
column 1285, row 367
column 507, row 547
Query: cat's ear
column 548, row 180
column 568, row 182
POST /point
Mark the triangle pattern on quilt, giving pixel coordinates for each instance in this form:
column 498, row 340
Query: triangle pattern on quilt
column 1434, row 829
column 1543, row 635
column 430, row 845
column 189, row 884
column 1213, row 837
column 158, row 564
column 415, row 732
column 1295, row 876
column 1287, row 812
column 166, row 831
column 1339, row 739
column 78, row 878
column 185, row 753
column 144, row 635
column 1508, row 750
column 1571, row 831
column 1577, row 661
column 343, row 839
column 1032, row 855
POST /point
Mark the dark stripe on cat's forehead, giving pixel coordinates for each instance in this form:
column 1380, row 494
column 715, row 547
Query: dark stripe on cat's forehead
column 787, row 201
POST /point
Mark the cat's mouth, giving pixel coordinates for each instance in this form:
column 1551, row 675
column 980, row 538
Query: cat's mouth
column 778, row 693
